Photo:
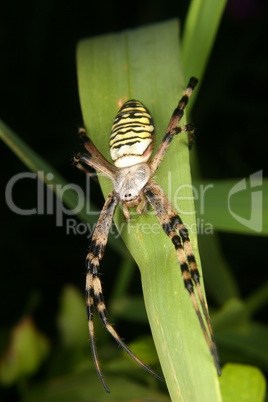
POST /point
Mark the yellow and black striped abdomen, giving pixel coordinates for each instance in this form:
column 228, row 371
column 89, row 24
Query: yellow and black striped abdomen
column 132, row 136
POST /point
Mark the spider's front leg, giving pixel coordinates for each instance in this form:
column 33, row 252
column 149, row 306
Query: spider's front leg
column 93, row 291
column 126, row 213
column 94, row 294
column 172, row 128
column 142, row 208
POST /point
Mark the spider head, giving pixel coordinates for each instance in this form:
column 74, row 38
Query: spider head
column 129, row 182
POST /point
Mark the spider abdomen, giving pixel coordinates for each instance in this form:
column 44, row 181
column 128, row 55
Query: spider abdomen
column 132, row 136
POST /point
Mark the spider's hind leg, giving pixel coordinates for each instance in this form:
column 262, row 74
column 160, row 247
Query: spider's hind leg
column 178, row 225
column 94, row 294
column 170, row 221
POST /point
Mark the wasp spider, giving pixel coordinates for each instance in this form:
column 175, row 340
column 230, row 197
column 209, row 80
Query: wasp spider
column 131, row 145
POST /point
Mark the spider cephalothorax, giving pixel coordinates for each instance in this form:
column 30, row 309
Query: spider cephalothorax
column 129, row 183
column 131, row 146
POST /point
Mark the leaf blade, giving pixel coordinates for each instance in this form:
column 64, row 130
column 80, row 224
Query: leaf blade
column 141, row 61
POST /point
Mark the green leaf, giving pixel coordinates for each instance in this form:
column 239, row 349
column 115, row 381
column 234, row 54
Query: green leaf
column 130, row 308
column 247, row 343
column 26, row 351
column 242, row 383
column 220, row 282
column 200, row 30
column 71, row 318
column 240, row 339
column 223, row 208
column 232, row 314
column 145, row 64
column 257, row 299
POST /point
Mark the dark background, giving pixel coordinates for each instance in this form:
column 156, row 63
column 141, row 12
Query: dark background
column 39, row 101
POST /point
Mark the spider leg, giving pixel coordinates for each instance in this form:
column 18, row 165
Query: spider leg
column 178, row 112
column 178, row 225
column 87, row 159
column 191, row 130
column 94, row 294
column 99, row 240
column 94, row 159
column 92, row 175
column 142, row 208
column 90, row 313
column 170, row 221
column 172, row 128
column 90, row 147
